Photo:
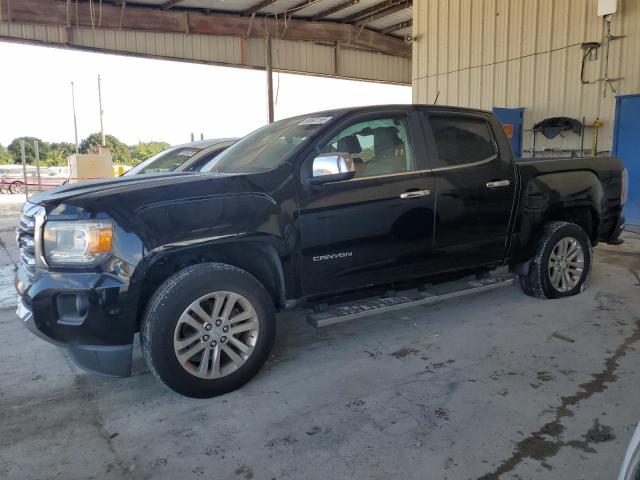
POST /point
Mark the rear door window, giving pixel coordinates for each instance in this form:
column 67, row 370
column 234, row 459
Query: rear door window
column 462, row 140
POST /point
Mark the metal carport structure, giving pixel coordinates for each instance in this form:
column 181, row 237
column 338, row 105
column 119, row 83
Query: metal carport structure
column 357, row 39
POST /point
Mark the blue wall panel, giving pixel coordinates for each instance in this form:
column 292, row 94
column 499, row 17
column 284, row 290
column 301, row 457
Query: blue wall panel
column 626, row 145
column 515, row 118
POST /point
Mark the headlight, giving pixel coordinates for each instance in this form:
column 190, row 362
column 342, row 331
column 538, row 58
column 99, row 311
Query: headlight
column 77, row 243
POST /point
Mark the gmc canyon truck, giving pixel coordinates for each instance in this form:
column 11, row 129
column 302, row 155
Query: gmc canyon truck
column 303, row 211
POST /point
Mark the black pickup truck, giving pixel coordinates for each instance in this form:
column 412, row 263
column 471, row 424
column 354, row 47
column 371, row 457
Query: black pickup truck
column 303, row 210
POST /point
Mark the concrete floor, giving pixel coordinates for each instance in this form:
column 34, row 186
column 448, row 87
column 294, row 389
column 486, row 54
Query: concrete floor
column 478, row 388
column 10, row 206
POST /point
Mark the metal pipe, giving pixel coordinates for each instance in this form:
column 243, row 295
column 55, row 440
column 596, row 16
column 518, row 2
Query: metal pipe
column 104, row 143
column 606, row 57
column 269, row 69
column 75, row 121
column 582, row 138
column 594, row 143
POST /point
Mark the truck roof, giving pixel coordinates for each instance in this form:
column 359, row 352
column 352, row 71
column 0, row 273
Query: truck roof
column 408, row 106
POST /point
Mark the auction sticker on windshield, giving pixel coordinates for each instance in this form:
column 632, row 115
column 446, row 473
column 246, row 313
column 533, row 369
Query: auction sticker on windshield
column 315, row 120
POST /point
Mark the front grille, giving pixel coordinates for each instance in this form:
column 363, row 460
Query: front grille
column 25, row 234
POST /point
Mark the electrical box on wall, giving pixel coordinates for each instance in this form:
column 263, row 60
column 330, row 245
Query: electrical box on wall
column 607, row 7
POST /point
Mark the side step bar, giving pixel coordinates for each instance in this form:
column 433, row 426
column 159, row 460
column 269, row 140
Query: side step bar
column 349, row 311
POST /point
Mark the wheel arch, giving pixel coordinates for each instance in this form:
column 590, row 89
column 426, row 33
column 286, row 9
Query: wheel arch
column 260, row 258
column 574, row 196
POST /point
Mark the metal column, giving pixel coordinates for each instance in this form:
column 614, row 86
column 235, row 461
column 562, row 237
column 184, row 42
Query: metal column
column 269, row 69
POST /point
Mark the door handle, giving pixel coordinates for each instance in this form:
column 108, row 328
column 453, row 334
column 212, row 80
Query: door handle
column 498, row 183
column 415, row 193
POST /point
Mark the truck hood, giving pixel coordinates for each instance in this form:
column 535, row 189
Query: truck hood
column 107, row 186
column 127, row 196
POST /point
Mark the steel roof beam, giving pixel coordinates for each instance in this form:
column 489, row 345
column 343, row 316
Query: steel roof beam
column 337, row 8
column 51, row 12
column 296, row 8
column 367, row 12
column 397, row 26
column 398, row 6
column 258, row 6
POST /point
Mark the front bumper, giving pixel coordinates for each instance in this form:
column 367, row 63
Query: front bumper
column 85, row 313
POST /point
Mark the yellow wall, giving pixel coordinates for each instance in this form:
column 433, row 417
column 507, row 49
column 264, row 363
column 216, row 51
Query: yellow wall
column 524, row 53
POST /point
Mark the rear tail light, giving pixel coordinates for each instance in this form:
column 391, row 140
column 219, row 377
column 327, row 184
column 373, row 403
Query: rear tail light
column 625, row 186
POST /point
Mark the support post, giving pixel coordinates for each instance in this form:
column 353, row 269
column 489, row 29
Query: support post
column 533, row 143
column 24, row 169
column 269, row 69
column 75, row 121
column 36, row 150
column 104, row 143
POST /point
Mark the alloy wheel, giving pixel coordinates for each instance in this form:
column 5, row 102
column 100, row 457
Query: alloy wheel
column 566, row 264
column 216, row 335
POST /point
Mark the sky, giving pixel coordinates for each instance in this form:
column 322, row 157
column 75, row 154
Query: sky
column 146, row 99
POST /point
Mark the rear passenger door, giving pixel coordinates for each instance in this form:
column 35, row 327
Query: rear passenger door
column 475, row 182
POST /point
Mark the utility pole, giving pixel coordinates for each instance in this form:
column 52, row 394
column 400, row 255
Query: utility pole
column 104, row 143
column 75, row 121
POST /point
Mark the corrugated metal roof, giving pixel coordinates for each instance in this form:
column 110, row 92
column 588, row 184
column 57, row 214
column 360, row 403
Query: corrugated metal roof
column 391, row 19
column 362, row 5
column 317, row 7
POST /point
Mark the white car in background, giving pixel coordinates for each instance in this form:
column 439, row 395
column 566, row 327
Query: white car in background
column 631, row 465
column 12, row 178
column 189, row 157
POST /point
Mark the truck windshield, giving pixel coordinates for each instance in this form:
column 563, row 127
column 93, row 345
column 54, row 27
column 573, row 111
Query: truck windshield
column 267, row 147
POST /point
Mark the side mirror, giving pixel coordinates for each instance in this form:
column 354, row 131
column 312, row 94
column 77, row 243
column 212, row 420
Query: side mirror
column 332, row 167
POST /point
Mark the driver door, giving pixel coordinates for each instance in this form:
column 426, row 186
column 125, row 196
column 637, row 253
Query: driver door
column 376, row 227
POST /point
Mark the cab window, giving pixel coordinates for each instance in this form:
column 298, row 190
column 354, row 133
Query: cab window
column 461, row 140
column 377, row 147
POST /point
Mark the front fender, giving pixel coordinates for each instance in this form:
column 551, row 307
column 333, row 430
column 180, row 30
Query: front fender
column 259, row 255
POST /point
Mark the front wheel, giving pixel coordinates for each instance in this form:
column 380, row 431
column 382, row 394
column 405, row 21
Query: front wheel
column 562, row 263
column 16, row 188
column 208, row 330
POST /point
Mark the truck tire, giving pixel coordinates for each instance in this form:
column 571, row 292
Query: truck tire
column 208, row 330
column 562, row 263
column 16, row 188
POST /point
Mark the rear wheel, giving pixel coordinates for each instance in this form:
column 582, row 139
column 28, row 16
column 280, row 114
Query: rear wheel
column 562, row 263
column 208, row 330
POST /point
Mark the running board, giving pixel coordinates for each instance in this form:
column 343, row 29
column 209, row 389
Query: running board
column 411, row 298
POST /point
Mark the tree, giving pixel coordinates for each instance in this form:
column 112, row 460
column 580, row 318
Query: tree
column 58, row 154
column 144, row 150
column 5, row 157
column 119, row 151
column 29, row 150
